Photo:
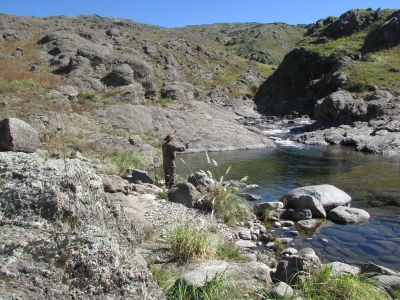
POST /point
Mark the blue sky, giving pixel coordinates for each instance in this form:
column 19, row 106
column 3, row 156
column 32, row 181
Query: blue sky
column 178, row 13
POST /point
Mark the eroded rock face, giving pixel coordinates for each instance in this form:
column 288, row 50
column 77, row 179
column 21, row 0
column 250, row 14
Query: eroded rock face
column 62, row 237
column 17, row 135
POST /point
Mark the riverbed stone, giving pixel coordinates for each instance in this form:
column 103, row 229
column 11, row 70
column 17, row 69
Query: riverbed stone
column 391, row 259
column 389, row 282
column 289, row 251
column 287, row 223
column 307, row 224
column 288, row 270
column 346, row 236
column 371, row 269
column 389, row 245
column 374, row 249
column 344, row 268
column 280, row 290
column 280, row 213
column 306, row 251
column 245, row 234
column 328, row 195
column 266, row 237
column 260, row 207
column 285, row 240
column 245, row 244
column 345, row 215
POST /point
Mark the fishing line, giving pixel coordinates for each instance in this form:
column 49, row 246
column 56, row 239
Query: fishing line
column 198, row 131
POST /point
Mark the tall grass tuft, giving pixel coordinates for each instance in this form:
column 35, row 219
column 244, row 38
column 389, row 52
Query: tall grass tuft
column 221, row 286
column 164, row 277
column 189, row 243
column 324, row 283
column 225, row 204
column 126, row 159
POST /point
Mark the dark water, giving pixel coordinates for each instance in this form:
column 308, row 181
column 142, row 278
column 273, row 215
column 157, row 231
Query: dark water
column 373, row 182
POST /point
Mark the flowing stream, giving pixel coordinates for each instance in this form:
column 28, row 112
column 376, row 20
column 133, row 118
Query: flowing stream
column 373, row 182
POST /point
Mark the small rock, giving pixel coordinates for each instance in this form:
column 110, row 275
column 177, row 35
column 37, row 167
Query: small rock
column 245, row 244
column 346, row 215
column 307, row 224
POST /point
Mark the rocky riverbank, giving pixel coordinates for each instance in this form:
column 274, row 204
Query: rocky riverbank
column 71, row 233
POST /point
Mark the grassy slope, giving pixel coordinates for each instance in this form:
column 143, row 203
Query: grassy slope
column 377, row 63
column 265, row 43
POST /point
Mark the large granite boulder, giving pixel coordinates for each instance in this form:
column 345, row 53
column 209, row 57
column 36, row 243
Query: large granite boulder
column 186, row 194
column 59, row 229
column 328, row 195
column 18, row 136
column 344, row 268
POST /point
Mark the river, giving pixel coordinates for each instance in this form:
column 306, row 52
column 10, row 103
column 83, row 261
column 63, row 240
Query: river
column 373, row 182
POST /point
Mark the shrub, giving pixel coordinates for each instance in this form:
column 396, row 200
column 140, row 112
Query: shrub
column 91, row 97
column 106, row 129
column 189, row 243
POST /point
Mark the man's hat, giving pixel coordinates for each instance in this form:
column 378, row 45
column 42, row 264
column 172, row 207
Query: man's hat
column 169, row 137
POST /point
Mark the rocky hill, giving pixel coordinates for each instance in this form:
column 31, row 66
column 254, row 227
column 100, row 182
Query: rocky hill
column 344, row 73
column 265, row 43
column 357, row 52
column 98, row 89
column 103, row 86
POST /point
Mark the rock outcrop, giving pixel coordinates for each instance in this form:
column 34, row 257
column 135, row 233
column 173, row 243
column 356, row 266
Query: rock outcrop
column 62, row 237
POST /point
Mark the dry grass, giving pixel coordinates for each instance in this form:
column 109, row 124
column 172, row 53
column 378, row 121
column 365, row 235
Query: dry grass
column 189, row 243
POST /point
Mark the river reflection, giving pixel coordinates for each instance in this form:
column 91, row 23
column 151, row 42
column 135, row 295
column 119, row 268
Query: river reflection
column 373, row 182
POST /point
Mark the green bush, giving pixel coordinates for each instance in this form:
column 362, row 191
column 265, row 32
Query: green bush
column 91, row 97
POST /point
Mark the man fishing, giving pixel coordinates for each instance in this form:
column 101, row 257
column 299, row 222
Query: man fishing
column 169, row 150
